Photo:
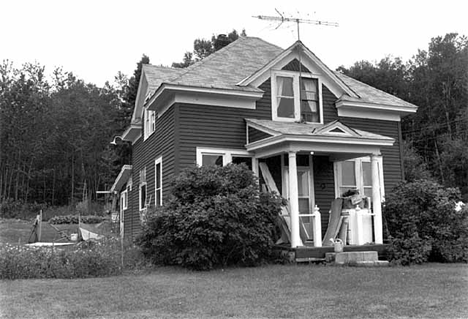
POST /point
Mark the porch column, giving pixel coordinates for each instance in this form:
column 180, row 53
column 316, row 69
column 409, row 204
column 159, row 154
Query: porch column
column 294, row 201
column 376, row 200
column 255, row 166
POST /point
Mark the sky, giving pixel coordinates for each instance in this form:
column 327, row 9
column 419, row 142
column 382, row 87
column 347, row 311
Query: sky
column 95, row 39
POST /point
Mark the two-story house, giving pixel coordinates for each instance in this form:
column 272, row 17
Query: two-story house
column 305, row 130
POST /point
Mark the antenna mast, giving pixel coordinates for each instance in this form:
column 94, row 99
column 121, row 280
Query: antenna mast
column 282, row 19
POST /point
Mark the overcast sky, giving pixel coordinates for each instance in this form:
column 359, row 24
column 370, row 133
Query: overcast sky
column 97, row 38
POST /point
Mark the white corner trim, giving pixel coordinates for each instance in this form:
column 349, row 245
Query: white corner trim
column 156, row 162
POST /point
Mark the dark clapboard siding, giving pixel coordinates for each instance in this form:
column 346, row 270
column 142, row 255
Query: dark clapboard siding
column 324, row 187
column 256, row 135
column 215, row 126
column 160, row 143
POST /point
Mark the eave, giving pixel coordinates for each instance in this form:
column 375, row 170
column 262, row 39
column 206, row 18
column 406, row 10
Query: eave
column 320, row 144
column 360, row 109
column 168, row 94
column 132, row 133
column 122, row 178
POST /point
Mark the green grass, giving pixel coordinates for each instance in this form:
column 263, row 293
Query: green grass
column 429, row 291
column 14, row 231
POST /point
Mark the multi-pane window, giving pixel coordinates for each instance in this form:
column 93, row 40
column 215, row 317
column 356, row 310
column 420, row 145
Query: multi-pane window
column 357, row 174
column 310, row 107
column 149, row 123
column 285, row 97
column 142, row 189
column 296, row 98
column 221, row 157
column 158, row 182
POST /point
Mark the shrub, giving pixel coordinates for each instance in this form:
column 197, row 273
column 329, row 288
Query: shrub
column 86, row 259
column 424, row 224
column 73, row 219
column 216, row 217
column 19, row 209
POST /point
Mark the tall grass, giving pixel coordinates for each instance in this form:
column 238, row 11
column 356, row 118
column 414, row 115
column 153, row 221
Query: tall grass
column 84, row 260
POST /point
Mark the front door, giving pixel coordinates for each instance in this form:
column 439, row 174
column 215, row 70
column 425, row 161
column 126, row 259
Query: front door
column 306, row 197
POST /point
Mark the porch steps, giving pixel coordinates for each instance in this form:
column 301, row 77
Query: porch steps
column 356, row 258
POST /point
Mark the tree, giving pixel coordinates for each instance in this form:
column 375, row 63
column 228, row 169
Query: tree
column 437, row 81
column 203, row 48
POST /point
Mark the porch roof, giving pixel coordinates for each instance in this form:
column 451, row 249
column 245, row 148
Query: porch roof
column 331, row 138
column 123, row 177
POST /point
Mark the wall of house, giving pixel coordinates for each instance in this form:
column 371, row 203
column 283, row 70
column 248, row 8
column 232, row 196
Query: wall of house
column 160, row 143
column 214, row 126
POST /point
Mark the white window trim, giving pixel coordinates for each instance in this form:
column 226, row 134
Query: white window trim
column 296, row 90
column 149, row 124
column 359, row 175
column 227, row 154
column 124, row 200
column 156, row 162
column 141, row 184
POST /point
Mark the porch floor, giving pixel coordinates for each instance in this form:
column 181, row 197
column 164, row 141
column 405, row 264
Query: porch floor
column 310, row 253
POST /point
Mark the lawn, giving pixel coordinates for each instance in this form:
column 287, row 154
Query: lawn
column 14, row 231
column 276, row 291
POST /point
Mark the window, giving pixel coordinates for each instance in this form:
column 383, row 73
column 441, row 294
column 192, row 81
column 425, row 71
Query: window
column 124, row 200
column 142, row 189
column 149, row 123
column 158, row 182
column 221, row 157
column 296, row 98
column 357, row 174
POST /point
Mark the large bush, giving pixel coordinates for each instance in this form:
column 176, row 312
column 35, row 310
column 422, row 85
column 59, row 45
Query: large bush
column 424, row 224
column 216, row 217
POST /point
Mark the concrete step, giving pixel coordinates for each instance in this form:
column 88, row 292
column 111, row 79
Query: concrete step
column 361, row 258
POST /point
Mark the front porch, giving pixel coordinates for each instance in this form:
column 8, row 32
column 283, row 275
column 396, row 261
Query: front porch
column 312, row 167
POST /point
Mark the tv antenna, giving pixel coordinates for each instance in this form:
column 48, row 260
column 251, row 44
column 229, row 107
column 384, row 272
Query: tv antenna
column 298, row 21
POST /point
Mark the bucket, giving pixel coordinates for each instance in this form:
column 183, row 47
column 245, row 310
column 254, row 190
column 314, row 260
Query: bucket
column 338, row 245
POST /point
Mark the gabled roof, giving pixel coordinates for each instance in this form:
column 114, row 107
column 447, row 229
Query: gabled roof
column 156, row 75
column 228, row 66
column 231, row 68
column 236, row 71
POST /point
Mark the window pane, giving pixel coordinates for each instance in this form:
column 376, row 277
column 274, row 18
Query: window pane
column 303, row 205
column 285, row 107
column 310, row 110
column 303, row 184
column 158, row 175
column 368, row 192
column 367, row 173
column 246, row 160
column 142, row 196
column 209, row 160
column 158, row 197
column 309, row 85
column 348, row 175
column 285, row 86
